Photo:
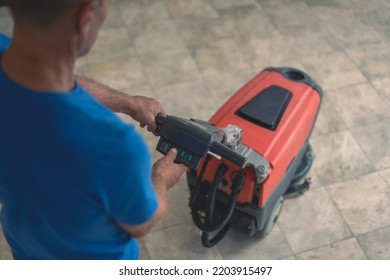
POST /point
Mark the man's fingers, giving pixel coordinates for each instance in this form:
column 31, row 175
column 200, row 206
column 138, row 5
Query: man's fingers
column 172, row 153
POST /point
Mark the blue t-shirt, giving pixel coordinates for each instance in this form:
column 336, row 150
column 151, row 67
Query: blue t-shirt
column 4, row 42
column 70, row 169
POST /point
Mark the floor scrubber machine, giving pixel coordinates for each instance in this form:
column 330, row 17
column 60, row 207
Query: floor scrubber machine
column 249, row 156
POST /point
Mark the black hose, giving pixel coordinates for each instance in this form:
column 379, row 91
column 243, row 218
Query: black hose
column 209, row 225
column 224, row 226
column 197, row 200
column 210, row 242
column 195, row 193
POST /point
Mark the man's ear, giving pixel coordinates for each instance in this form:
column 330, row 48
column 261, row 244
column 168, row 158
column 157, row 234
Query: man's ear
column 84, row 24
column 86, row 17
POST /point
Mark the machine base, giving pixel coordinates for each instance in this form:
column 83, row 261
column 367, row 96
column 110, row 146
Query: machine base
column 259, row 222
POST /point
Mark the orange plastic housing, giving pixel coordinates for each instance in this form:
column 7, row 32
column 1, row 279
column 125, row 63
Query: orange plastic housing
column 280, row 146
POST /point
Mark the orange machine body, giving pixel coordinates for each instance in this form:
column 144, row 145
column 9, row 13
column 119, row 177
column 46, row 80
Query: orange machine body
column 279, row 146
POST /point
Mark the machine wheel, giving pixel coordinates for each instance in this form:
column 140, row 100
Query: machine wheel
column 273, row 218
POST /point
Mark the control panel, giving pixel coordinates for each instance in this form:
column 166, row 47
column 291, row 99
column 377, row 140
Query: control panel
column 194, row 140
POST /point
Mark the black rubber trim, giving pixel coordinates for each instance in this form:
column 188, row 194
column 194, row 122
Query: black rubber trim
column 298, row 76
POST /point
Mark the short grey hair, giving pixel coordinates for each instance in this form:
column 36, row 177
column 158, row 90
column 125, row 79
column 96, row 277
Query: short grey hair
column 40, row 13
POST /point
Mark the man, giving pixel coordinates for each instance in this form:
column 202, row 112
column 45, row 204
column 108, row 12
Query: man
column 75, row 181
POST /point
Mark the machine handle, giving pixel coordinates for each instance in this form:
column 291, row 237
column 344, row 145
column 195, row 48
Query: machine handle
column 228, row 154
column 159, row 119
column 194, row 139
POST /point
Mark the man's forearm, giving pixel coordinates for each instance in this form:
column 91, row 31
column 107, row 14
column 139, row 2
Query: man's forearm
column 115, row 100
column 141, row 230
column 141, row 108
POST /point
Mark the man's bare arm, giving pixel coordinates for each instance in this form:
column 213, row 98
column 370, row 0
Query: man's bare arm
column 140, row 108
column 165, row 175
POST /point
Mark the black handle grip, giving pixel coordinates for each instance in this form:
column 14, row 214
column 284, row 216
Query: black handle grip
column 159, row 119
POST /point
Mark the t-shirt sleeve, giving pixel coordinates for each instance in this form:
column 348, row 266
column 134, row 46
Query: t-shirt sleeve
column 130, row 197
column 5, row 41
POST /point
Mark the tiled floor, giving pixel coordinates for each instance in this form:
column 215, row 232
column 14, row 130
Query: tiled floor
column 192, row 55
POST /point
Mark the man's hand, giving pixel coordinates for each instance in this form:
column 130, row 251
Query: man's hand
column 144, row 110
column 166, row 173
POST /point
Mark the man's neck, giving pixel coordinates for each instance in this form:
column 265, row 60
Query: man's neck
column 39, row 62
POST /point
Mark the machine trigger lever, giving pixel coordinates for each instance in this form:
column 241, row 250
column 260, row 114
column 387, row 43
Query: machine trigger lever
column 214, row 155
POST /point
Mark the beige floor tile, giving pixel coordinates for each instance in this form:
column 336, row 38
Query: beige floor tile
column 198, row 30
column 386, row 176
column 170, row 67
column 238, row 246
column 190, row 8
column 334, row 70
column 225, row 84
column 154, row 36
column 6, row 23
column 348, row 249
column 358, row 105
column 179, row 211
column 4, row 12
column 313, row 44
column 143, row 91
column 288, row 25
column 143, row 252
column 382, row 3
column 363, row 202
column 328, row 120
column 339, row 157
column 375, row 141
column 362, row 6
column 328, row 9
column 372, row 60
column 189, row 100
column 261, row 52
column 82, row 69
column 180, row 242
column 380, row 20
column 383, row 88
column 353, row 31
column 111, row 44
column 280, row 10
column 115, row 18
column 141, row 10
column 218, row 57
column 247, row 19
column 311, row 221
column 84, row 63
column 290, row 258
column 376, row 244
column 5, row 251
column 121, row 74
column 225, row 4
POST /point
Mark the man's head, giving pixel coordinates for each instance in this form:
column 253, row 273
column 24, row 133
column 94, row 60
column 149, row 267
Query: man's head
column 80, row 18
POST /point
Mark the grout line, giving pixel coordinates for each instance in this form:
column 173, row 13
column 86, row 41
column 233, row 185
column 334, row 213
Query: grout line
column 288, row 242
column 170, row 226
column 332, row 243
